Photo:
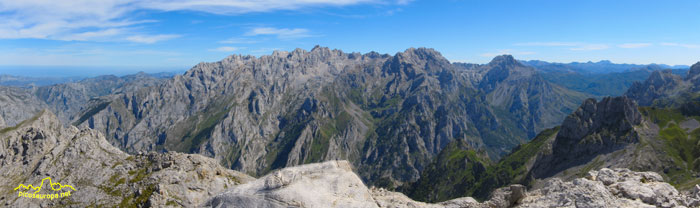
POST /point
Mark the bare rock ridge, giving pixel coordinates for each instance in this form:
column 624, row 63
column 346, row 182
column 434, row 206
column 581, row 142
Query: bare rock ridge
column 659, row 84
column 100, row 173
column 693, row 72
column 593, row 129
column 663, row 87
column 18, row 104
column 388, row 115
column 66, row 100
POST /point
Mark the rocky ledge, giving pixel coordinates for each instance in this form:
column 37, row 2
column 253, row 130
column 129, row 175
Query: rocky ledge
column 611, row 188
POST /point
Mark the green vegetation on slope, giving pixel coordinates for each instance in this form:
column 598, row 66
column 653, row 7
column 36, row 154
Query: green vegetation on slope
column 681, row 145
column 454, row 173
column 512, row 168
column 458, row 172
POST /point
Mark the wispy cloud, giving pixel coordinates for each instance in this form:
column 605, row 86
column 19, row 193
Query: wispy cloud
column 590, row 47
column 226, row 49
column 634, row 45
column 681, row 45
column 86, row 20
column 150, row 38
column 507, row 51
column 574, row 46
column 244, row 6
column 281, row 33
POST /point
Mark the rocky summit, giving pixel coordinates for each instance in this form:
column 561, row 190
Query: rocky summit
column 595, row 128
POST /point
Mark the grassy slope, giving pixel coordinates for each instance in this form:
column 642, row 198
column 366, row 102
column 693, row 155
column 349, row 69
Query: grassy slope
column 459, row 172
column 681, row 145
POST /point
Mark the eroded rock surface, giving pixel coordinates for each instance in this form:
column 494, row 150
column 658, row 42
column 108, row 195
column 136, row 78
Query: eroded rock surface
column 610, row 188
column 100, row 173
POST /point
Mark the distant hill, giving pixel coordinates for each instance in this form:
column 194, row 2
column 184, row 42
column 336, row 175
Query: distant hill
column 599, row 79
column 20, row 81
column 600, row 67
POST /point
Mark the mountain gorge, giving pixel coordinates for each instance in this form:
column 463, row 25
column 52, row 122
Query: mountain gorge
column 388, row 115
column 610, row 133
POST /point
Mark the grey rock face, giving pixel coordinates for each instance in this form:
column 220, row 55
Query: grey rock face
column 18, row 104
column 660, row 84
column 100, row 173
column 66, row 100
column 693, row 72
column 2, row 122
column 595, row 128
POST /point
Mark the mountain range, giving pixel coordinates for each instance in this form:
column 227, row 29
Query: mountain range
column 411, row 122
column 388, row 115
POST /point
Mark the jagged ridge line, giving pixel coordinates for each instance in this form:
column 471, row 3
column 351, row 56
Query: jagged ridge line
column 51, row 184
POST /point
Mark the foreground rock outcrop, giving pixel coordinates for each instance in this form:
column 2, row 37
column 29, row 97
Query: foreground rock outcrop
column 333, row 184
column 100, row 174
column 611, row 188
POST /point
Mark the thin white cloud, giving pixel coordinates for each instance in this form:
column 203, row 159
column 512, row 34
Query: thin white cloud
column 86, row 20
column 150, row 38
column 243, row 6
column 507, row 51
column 226, row 49
column 634, row 45
column 239, row 41
column 404, row 2
column 281, row 33
column 590, row 47
column 681, row 45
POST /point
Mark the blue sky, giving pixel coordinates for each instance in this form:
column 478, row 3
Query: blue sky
column 160, row 35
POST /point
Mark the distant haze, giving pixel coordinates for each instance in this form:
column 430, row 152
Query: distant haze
column 82, row 71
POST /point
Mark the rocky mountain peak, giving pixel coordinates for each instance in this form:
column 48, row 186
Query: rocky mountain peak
column 619, row 112
column 594, row 128
column 43, row 119
column 504, row 61
column 661, row 77
column 661, row 83
column 694, row 71
column 412, row 55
